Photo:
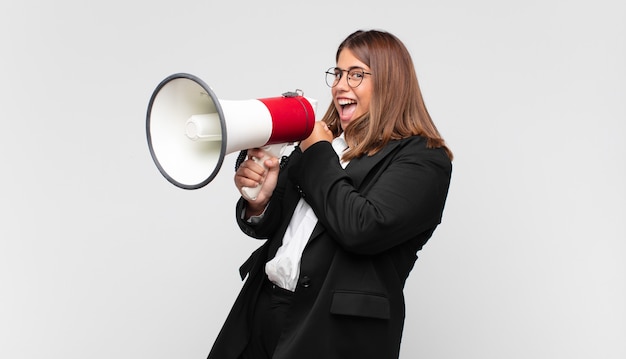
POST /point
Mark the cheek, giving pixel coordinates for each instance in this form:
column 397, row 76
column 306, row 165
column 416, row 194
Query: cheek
column 333, row 97
column 364, row 107
column 364, row 100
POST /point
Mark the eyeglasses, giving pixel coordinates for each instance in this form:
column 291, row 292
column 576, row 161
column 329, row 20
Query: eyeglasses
column 355, row 76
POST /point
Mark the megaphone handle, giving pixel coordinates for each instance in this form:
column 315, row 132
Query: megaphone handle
column 251, row 193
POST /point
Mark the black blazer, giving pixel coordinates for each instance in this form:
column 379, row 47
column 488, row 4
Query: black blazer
column 373, row 217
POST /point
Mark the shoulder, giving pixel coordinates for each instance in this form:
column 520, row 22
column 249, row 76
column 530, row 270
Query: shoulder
column 414, row 150
column 419, row 144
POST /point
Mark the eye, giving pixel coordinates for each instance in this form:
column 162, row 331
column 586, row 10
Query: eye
column 356, row 74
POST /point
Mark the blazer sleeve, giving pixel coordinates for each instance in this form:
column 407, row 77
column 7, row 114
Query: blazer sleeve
column 401, row 196
column 279, row 210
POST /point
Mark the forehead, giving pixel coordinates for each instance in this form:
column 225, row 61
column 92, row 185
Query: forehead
column 347, row 60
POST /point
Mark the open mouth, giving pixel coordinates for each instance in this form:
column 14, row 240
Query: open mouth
column 348, row 107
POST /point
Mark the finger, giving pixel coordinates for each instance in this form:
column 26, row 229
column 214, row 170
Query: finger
column 245, row 181
column 251, row 171
column 256, row 153
column 252, row 165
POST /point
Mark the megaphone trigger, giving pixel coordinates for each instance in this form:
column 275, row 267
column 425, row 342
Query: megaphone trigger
column 295, row 93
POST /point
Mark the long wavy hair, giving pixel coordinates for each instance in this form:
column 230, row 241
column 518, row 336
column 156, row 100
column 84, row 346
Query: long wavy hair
column 397, row 109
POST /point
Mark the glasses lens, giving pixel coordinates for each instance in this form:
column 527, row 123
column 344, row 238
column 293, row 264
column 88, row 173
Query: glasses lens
column 332, row 76
column 355, row 76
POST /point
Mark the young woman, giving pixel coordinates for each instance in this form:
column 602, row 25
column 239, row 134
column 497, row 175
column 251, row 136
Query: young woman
column 344, row 217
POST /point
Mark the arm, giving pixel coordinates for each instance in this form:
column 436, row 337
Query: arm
column 401, row 197
column 250, row 175
column 260, row 218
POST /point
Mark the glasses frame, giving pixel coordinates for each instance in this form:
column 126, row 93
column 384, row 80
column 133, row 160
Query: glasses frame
column 332, row 71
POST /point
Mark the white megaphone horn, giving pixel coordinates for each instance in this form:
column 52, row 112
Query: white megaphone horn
column 190, row 130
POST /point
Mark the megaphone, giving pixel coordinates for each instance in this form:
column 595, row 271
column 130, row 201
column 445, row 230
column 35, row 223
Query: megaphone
column 190, row 130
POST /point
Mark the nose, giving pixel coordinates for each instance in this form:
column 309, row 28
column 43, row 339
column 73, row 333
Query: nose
column 343, row 82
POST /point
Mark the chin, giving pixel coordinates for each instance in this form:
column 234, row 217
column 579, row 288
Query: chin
column 345, row 123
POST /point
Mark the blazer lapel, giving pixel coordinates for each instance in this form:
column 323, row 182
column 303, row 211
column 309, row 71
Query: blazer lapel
column 358, row 168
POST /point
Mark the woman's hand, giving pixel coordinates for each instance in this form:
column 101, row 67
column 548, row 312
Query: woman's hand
column 250, row 174
column 320, row 133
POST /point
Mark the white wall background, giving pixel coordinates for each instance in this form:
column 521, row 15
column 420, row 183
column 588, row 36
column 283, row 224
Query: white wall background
column 100, row 257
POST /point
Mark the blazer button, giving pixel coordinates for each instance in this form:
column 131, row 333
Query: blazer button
column 305, row 281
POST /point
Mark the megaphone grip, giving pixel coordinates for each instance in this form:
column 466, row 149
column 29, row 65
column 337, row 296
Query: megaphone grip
column 251, row 193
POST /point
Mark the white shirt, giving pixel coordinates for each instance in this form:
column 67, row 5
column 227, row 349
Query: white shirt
column 284, row 269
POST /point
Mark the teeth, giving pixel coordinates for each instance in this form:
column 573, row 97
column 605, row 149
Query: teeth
column 344, row 101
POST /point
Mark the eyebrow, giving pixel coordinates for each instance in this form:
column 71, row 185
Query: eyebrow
column 351, row 68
